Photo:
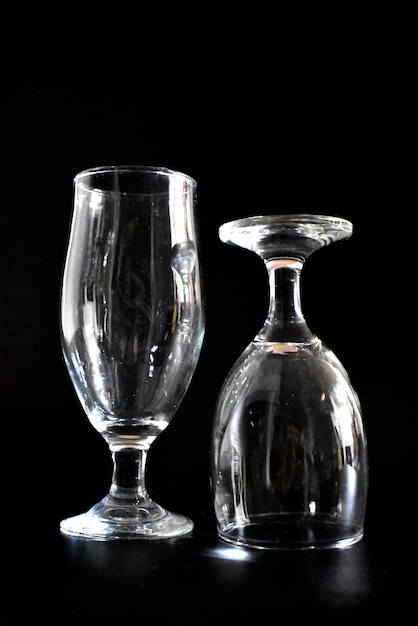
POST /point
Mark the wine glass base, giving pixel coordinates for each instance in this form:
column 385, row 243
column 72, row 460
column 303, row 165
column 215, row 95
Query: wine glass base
column 293, row 532
column 106, row 521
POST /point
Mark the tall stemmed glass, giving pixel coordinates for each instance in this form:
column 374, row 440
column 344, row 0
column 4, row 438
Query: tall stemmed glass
column 289, row 454
column 132, row 323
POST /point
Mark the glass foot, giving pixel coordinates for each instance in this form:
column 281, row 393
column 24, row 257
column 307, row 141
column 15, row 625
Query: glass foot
column 107, row 520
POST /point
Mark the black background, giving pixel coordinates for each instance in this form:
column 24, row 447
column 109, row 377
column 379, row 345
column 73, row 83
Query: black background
column 318, row 126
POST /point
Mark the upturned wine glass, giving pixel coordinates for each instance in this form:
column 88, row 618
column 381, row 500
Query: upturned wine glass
column 289, row 453
column 132, row 325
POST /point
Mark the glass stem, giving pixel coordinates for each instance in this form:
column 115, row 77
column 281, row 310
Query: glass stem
column 285, row 321
column 128, row 478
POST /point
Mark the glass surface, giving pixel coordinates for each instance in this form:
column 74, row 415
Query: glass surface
column 132, row 324
column 289, row 453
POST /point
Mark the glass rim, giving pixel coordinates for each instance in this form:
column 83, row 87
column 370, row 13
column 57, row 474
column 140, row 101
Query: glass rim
column 128, row 169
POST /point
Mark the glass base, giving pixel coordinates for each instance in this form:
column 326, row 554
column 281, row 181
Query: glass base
column 107, row 521
column 293, row 532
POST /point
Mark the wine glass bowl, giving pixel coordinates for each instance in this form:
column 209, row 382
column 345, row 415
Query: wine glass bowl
column 132, row 326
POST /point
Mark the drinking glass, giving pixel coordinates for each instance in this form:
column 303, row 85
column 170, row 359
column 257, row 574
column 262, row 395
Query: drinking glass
column 289, row 453
column 132, row 325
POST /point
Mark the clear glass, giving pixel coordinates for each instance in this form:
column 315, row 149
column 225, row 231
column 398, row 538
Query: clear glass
column 132, row 324
column 289, row 453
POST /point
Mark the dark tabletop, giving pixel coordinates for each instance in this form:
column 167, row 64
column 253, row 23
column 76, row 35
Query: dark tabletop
column 67, row 579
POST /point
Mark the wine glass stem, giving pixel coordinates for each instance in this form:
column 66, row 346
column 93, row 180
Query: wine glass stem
column 285, row 321
column 128, row 479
